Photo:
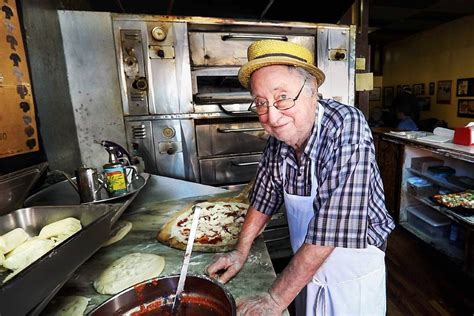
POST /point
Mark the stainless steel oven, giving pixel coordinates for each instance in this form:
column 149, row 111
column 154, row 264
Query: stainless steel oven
column 186, row 113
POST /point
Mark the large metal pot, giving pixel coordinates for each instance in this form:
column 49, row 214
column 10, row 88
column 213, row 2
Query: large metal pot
column 201, row 296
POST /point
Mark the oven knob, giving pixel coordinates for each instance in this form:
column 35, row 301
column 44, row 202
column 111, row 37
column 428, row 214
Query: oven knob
column 158, row 33
column 171, row 150
column 140, row 84
column 168, row 132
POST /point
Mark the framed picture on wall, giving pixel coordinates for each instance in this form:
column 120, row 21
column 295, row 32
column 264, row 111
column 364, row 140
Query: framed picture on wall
column 443, row 93
column 399, row 89
column 387, row 96
column 374, row 95
column 432, row 88
column 465, row 87
column 424, row 103
column 466, row 108
column 419, row 89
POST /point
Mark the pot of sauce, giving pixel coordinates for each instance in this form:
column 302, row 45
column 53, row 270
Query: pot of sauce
column 201, row 296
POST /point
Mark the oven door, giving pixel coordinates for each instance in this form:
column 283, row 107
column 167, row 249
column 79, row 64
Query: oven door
column 217, row 89
column 228, row 170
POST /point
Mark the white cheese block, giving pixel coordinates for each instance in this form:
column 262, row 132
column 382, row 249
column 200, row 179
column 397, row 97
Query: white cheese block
column 12, row 239
column 128, row 271
column 67, row 226
column 27, row 253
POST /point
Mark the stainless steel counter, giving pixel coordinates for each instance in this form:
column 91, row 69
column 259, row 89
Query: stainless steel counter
column 153, row 206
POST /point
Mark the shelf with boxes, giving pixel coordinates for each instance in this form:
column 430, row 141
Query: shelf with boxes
column 425, row 174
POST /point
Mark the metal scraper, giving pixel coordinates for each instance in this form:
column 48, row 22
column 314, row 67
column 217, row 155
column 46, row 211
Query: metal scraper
column 187, row 257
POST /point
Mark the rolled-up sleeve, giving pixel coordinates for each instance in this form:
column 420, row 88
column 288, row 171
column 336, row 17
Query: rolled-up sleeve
column 267, row 194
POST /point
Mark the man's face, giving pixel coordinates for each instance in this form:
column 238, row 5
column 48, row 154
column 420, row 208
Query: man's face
column 292, row 126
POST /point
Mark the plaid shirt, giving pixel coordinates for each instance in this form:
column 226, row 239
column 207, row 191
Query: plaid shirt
column 349, row 208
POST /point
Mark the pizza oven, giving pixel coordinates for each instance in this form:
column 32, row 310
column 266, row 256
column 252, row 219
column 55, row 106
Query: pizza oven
column 185, row 112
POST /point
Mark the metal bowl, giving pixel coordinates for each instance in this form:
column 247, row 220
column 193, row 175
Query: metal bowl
column 201, row 296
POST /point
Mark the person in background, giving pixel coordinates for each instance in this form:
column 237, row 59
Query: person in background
column 406, row 108
column 320, row 162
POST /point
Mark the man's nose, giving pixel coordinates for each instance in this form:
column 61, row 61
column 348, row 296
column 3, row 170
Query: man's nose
column 273, row 115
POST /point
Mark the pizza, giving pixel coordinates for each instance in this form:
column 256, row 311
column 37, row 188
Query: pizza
column 461, row 199
column 218, row 230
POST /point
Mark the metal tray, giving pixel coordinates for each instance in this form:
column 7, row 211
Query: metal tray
column 15, row 186
column 62, row 193
column 39, row 282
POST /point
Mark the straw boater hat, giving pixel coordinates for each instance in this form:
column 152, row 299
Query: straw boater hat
column 273, row 52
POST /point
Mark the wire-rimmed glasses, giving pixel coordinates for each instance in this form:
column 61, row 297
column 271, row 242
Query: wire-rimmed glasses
column 260, row 105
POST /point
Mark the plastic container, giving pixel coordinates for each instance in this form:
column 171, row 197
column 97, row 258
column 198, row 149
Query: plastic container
column 428, row 221
column 422, row 163
column 421, row 187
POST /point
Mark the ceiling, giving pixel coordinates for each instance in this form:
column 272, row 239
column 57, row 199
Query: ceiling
column 389, row 20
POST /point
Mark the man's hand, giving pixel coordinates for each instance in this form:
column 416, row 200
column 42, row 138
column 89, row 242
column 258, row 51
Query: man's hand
column 263, row 304
column 226, row 266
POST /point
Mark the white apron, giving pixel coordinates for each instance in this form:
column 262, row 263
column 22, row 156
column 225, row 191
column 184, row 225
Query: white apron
column 351, row 281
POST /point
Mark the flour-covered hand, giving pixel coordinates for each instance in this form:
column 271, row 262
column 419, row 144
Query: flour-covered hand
column 263, row 304
column 226, row 266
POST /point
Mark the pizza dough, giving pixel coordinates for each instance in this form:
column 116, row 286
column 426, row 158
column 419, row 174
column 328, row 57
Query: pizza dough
column 218, row 229
column 128, row 271
column 120, row 230
column 27, row 253
column 12, row 239
column 60, row 229
column 68, row 306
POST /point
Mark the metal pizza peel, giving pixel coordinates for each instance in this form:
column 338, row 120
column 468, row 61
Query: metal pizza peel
column 187, row 257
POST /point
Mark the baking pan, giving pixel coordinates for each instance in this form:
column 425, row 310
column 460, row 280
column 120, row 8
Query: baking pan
column 30, row 290
column 15, row 186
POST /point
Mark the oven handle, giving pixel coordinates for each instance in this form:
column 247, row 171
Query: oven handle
column 243, row 164
column 253, row 37
column 239, row 130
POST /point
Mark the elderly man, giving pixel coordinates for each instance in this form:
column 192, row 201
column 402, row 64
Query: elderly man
column 319, row 162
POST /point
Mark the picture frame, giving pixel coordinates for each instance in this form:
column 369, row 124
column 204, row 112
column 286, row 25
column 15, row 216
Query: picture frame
column 419, row 89
column 399, row 89
column 465, row 87
column 432, row 88
column 375, row 94
column 424, row 103
column 388, row 96
column 443, row 92
column 466, row 108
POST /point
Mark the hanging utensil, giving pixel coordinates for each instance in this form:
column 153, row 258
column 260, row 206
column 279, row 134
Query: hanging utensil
column 187, row 257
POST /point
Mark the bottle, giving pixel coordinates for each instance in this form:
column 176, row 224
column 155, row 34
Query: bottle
column 115, row 175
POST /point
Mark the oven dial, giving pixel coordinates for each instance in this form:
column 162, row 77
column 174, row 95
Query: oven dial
column 168, row 132
column 158, row 33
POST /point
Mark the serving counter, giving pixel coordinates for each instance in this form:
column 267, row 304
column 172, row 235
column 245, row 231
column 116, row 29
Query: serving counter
column 154, row 205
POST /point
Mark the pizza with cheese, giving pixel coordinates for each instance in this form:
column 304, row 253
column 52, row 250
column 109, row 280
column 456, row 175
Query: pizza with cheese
column 218, row 228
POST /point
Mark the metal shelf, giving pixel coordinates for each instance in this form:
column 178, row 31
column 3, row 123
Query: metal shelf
column 469, row 220
column 443, row 245
column 438, row 181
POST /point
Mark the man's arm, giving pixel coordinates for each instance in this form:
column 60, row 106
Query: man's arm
column 254, row 224
column 229, row 264
column 289, row 283
column 299, row 272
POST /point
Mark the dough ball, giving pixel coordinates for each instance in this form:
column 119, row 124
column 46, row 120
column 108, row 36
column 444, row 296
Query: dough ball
column 120, row 230
column 68, row 306
column 12, row 239
column 128, row 271
column 27, row 253
column 67, row 226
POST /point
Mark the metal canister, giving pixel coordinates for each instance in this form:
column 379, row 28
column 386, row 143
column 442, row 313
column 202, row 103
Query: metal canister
column 116, row 178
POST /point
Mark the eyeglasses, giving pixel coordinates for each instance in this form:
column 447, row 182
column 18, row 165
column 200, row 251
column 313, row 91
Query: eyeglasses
column 260, row 105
